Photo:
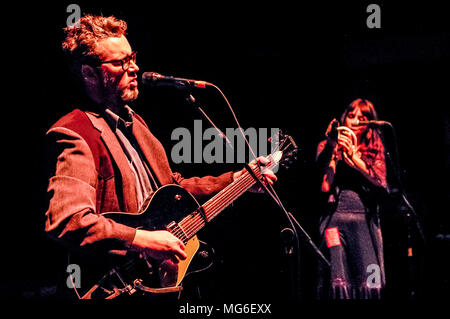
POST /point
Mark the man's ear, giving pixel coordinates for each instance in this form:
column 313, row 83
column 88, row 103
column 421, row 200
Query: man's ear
column 89, row 75
column 92, row 82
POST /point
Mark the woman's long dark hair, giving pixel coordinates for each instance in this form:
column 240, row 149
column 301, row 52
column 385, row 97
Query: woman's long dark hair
column 371, row 141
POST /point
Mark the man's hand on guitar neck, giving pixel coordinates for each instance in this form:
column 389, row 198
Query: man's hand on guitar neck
column 269, row 174
column 159, row 244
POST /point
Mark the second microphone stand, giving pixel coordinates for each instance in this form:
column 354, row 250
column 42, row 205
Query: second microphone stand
column 411, row 218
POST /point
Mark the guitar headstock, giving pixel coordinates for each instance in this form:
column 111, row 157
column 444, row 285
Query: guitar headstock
column 285, row 149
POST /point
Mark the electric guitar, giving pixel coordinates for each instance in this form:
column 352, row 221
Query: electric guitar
column 174, row 209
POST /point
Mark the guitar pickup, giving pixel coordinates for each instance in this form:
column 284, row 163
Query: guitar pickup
column 171, row 226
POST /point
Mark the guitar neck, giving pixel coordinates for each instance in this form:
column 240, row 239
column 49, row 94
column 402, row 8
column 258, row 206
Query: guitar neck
column 192, row 223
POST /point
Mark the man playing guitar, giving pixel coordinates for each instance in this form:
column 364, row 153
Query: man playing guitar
column 105, row 158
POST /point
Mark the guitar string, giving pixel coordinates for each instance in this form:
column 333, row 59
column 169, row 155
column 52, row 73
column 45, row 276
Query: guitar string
column 196, row 220
column 225, row 195
column 247, row 183
column 217, row 207
column 243, row 182
column 222, row 202
column 196, row 223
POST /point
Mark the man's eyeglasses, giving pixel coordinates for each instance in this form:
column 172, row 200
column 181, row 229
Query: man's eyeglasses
column 125, row 62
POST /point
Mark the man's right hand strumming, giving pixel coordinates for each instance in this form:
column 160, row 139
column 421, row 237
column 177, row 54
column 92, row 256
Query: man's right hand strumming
column 159, row 244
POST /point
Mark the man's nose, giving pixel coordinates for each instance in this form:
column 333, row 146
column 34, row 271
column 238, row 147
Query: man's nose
column 133, row 67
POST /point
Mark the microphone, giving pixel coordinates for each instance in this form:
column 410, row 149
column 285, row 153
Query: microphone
column 156, row 79
column 373, row 123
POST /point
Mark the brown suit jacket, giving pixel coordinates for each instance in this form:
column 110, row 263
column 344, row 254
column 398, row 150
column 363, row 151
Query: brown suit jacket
column 91, row 176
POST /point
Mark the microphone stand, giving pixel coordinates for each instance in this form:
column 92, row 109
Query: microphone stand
column 410, row 214
column 294, row 224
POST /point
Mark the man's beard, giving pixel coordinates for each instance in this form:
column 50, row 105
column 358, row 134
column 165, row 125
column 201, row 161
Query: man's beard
column 129, row 95
column 112, row 94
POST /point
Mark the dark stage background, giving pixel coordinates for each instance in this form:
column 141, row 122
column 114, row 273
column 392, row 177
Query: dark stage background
column 287, row 66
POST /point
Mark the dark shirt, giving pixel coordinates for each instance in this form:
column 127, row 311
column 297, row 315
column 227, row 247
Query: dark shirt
column 122, row 128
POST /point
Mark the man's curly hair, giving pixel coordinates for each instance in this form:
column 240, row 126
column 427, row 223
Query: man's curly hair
column 82, row 38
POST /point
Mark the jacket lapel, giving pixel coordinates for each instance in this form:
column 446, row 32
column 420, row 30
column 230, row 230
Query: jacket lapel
column 114, row 147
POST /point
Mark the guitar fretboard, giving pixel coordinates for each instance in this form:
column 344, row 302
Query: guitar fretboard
column 192, row 223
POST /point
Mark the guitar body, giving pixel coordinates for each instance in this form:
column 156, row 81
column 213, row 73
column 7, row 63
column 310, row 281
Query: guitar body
column 169, row 204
